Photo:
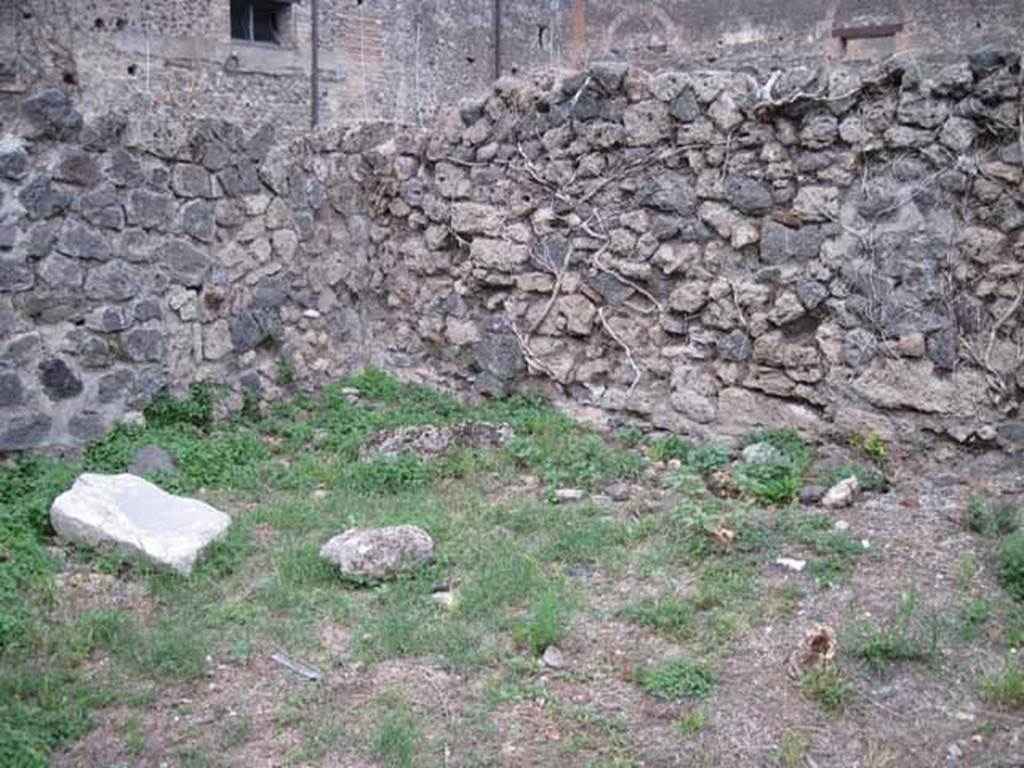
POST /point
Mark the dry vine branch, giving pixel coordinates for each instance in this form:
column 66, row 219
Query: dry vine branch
column 637, row 373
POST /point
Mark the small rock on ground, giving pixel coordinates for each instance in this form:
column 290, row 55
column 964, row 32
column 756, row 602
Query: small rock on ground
column 553, row 657
column 379, row 554
column 434, row 439
column 791, row 564
column 761, row 453
column 131, row 515
column 150, row 459
column 812, row 494
column 841, row 494
column 569, row 495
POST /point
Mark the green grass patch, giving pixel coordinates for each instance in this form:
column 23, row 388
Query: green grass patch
column 678, row 679
column 1006, row 687
column 906, row 636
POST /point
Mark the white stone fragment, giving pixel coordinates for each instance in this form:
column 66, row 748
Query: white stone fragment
column 791, row 564
column 133, row 516
column 841, row 494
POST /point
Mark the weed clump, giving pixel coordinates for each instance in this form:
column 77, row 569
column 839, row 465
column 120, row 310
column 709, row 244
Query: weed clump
column 1011, row 564
column 1006, row 687
column 907, row 636
column 991, row 518
column 678, row 679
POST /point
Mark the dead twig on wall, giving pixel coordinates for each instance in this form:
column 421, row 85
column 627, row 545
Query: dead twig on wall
column 637, row 373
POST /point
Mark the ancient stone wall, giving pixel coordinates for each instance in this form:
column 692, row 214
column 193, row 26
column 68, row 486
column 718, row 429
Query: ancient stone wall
column 836, row 250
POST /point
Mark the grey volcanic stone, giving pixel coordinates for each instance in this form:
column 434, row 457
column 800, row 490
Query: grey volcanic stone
column 26, row 431
column 859, row 347
column 198, row 220
column 184, row 263
column 812, row 494
column 58, row 380
column 13, row 161
column 11, row 390
column 83, row 242
column 51, row 115
column 150, row 210
column 42, row 200
column 499, row 355
column 378, row 554
column 130, row 515
column 150, row 459
column 115, row 386
column 143, row 345
column 87, row 426
column 747, row 195
column 15, row 276
column 114, row 281
column 735, row 348
column 781, row 243
column 79, row 168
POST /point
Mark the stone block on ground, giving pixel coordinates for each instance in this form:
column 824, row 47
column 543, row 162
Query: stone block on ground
column 434, row 439
column 127, row 514
column 379, row 554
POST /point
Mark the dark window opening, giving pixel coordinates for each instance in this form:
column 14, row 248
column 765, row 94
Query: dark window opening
column 542, row 37
column 257, row 21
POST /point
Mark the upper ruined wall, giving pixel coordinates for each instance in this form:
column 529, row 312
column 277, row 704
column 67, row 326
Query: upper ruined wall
column 399, row 60
column 706, row 252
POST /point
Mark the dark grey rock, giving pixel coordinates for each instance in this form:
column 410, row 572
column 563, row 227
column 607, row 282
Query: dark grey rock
column 143, row 345
column 811, row 293
column 114, row 281
column 671, row 192
column 684, row 107
column 249, row 330
column 115, row 386
column 41, row 237
column 22, row 432
column 110, row 319
column 920, row 109
column 22, row 349
column 748, row 195
column 198, row 220
column 58, row 380
column 14, row 162
column 101, row 208
column 87, row 426
column 498, row 354
column 735, row 348
column 147, row 309
column 15, row 276
column 124, row 169
column 103, row 133
column 780, row 243
column 189, row 180
column 8, row 236
column 61, row 272
column 93, row 351
column 150, row 459
column 859, row 347
column 1010, row 435
column 942, row 348
column 812, row 494
column 83, row 242
column 42, row 200
column 184, row 263
column 150, row 210
column 78, row 168
column 51, row 115
column 11, row 390
column 240, row 179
